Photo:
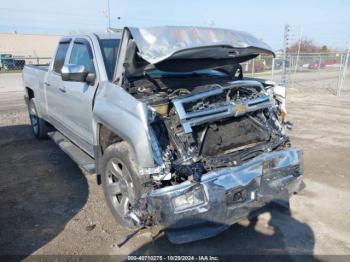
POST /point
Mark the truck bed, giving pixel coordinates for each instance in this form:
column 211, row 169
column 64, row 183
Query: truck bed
column 38, row 67
column 33, row 79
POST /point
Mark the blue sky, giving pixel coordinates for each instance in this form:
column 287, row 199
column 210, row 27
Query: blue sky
column 324, row 21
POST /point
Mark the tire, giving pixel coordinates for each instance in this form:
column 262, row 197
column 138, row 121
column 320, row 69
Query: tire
column 122, row 185
column 39, row 126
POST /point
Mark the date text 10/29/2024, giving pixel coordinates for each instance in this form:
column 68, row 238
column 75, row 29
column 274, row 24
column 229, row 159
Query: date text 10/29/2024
column 173, row 258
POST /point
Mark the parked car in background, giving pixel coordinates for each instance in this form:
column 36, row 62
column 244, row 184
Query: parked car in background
column 7, row 63
column 316, row 65
column 330, row 62
column 165, row 118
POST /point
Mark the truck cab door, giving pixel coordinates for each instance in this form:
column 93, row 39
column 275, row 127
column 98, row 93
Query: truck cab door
column 54, row 88
column 77, row 110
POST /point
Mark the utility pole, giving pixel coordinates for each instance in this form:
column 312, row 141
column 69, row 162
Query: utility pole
column 285, row 47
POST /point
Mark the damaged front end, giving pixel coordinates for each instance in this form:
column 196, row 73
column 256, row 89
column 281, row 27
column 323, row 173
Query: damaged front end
column 222, row 153
column 222, row 126
column 192, row 211
column 218, row 140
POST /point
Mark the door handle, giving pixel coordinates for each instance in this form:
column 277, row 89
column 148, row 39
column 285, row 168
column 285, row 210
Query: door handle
column 62, row 89
column 46, row 83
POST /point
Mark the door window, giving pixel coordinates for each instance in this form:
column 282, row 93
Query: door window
column 81, row 55
column 109, row 49
column 60, row 56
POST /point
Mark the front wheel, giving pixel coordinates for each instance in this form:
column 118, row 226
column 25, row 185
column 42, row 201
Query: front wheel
column 122, row 185
column 39, row 126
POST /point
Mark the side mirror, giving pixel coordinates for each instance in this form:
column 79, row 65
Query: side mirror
column 75, row 73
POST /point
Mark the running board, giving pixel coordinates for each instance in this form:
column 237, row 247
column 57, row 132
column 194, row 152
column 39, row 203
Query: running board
column 83, row 160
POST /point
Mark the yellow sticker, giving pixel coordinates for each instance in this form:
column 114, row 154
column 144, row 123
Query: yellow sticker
column 240, row 108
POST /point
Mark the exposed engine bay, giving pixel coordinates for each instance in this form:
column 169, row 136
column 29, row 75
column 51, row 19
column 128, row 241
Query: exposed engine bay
column 199, row 128
column 209, row 144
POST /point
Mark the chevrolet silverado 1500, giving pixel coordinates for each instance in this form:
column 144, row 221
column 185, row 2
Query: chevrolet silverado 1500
column 174, row 132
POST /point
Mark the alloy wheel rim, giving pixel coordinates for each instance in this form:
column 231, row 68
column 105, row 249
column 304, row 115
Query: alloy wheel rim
column 120, row 188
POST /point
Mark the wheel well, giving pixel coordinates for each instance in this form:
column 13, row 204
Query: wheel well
column 30, row 93
column 107, row 137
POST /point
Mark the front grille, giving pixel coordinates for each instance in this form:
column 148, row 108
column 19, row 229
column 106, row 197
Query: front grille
column 230, row 134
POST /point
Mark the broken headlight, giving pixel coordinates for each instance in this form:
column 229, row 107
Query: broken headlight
column 189, row 199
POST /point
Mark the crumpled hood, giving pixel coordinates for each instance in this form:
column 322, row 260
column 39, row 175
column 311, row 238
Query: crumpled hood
column 157, row 44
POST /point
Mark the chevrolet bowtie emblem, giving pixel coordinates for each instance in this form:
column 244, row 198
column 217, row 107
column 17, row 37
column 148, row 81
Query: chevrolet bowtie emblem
column 240, row 108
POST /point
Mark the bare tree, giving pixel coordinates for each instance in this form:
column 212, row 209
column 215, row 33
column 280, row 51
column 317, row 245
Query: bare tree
column 307, row 46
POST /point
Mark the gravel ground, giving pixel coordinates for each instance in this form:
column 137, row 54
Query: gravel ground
column 48, row 206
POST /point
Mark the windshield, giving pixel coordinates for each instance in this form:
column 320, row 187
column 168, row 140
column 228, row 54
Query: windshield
column 109, row 48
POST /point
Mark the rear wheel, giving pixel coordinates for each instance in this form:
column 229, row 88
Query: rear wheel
column 39, row 126
column 122, row 185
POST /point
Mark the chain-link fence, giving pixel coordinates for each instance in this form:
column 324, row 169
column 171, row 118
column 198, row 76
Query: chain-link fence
column 310, row 70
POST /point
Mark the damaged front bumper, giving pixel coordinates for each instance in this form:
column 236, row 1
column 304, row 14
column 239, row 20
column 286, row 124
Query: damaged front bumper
column 192, row 211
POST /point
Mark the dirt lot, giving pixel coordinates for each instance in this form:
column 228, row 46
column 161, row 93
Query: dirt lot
column 48, row 206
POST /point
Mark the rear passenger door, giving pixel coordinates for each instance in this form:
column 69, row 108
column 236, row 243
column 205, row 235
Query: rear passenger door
column 54, row 87
column 79, row 95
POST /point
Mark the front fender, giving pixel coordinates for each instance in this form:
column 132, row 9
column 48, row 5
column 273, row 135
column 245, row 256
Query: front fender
column 127, row 117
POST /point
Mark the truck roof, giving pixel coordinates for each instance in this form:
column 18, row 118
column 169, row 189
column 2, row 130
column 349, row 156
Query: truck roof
column 104, row 35
column 100, row 35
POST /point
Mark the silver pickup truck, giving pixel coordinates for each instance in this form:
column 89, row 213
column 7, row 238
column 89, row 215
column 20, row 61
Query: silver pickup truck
column 174, row 132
